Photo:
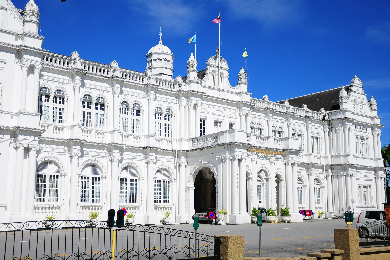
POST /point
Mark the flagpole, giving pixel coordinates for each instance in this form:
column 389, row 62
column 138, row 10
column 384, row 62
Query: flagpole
column 195, row 45
column 219, row 47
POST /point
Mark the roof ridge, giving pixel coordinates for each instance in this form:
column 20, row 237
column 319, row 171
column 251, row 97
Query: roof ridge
column 314, row 93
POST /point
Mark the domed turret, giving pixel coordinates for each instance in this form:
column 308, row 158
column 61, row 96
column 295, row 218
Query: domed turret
column 31, row 18
column 159, row 61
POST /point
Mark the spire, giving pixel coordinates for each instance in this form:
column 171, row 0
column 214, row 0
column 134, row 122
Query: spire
column 31, row 17
column 160, row 33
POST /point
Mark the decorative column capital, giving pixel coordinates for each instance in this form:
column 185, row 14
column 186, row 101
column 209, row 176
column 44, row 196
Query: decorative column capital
column 18, row 145
column 74, row 154
column 34, row 147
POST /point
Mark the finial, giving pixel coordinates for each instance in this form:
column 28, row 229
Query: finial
column 160, row 34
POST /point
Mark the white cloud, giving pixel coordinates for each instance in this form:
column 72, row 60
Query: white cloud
column 175, row 16
column 268, row 12
column 377, row 83
column 379, row 33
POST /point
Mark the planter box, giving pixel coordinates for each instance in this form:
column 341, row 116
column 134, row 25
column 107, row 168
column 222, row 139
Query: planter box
column 285, row 219
column 271, row 219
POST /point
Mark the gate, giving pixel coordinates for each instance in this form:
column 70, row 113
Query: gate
column 68, row 240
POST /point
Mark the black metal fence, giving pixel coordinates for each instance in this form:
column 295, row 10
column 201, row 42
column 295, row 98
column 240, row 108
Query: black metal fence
column 68, row 240
column 374, row 234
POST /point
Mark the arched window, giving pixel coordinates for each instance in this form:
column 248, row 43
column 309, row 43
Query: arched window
column 256, row 129
column 260, row 191
column 58, row 107
column 317, row 191
column 99, row 113
column 158, row 121
column 47, row 182
column 87, row 111
column 52, row 109
column 128, row 182
column 124, row 116
column 300, row 191
column 162, row 185
column 168, row 123
column 90, row 185
column 136, row 118
column 44, row 104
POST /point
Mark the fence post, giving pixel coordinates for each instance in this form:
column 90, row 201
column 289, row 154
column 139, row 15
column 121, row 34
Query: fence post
column 347, row 240
column 230, row 247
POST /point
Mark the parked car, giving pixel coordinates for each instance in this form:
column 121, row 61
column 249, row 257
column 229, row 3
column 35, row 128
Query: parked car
column 366, row 217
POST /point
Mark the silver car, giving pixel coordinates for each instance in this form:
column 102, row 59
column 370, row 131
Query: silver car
column 366, row 217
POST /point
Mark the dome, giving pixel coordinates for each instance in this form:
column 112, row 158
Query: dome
column 31, row 6
column 160, row 48
column 356, row 82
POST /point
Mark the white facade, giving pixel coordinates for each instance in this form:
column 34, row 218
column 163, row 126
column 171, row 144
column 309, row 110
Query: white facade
column 78, row 136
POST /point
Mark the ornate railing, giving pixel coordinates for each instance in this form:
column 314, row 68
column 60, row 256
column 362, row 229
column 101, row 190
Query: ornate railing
column 76, row 239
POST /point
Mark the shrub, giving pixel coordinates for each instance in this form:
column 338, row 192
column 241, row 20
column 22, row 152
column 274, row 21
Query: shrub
column 255, row 211
column 93, row 215
column 131, row 215
column 166, row 214
column 222, row 212
column 50, row 217
column 284, row 211
column 270, row 212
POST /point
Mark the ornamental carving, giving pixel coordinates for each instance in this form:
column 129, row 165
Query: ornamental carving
column 53, row 159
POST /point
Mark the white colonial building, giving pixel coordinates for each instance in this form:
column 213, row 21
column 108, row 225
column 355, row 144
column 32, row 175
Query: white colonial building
column 78, row 136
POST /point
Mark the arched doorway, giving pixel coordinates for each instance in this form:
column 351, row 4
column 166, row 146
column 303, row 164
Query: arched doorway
column 205, row 191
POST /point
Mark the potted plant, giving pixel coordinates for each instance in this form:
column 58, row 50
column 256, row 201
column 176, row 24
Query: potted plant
column 320, row 214
column 220, row 216
column 254, row 215
column 48, row 222
column 130, row 218
column 164, row 220
column 271, row 216
column 93, row 215
column 285, row 214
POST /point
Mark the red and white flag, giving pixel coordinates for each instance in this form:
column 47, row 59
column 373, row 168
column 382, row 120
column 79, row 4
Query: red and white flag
column 217, row 20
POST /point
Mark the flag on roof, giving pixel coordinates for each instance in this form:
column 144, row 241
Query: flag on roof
column 192, row 39
column 245, row 54
column 217, row 20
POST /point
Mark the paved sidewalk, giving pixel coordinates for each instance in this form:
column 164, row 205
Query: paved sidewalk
column 281, row 239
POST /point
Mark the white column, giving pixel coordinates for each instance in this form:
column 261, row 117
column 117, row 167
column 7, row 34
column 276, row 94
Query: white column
column 74, row 182
column 234, row 185
column 346, row 146
column 197, row 120
column 272, row 186
column 289, row 190
column 37, row 71
column 326, row 140
column 354, row 190
column 308, row 143
column 336, row 192
column 341, row 192
column 151, row 113
column 77, row 103
column 242, row 120
column 379, row 145
column 351, row 141
column 182, row 195
column 191, row 120
column 242, row 190
column 294, row 183
column 182, row 119
column 348, row 194
column 18, row 180
column 269, row 126
column 23, row 88
column 114, row 200
column 115, row 107
column 311, row 191
column 330, row 191
column 150, row 189
column 226, row 166
column 32, row 169
column 378, row 190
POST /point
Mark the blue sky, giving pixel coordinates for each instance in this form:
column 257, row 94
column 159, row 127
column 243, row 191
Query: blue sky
column 295, row 47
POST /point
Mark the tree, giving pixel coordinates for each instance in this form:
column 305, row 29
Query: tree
column 386, row 164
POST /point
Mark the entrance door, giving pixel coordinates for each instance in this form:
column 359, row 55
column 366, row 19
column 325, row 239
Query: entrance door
column 205, row 191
